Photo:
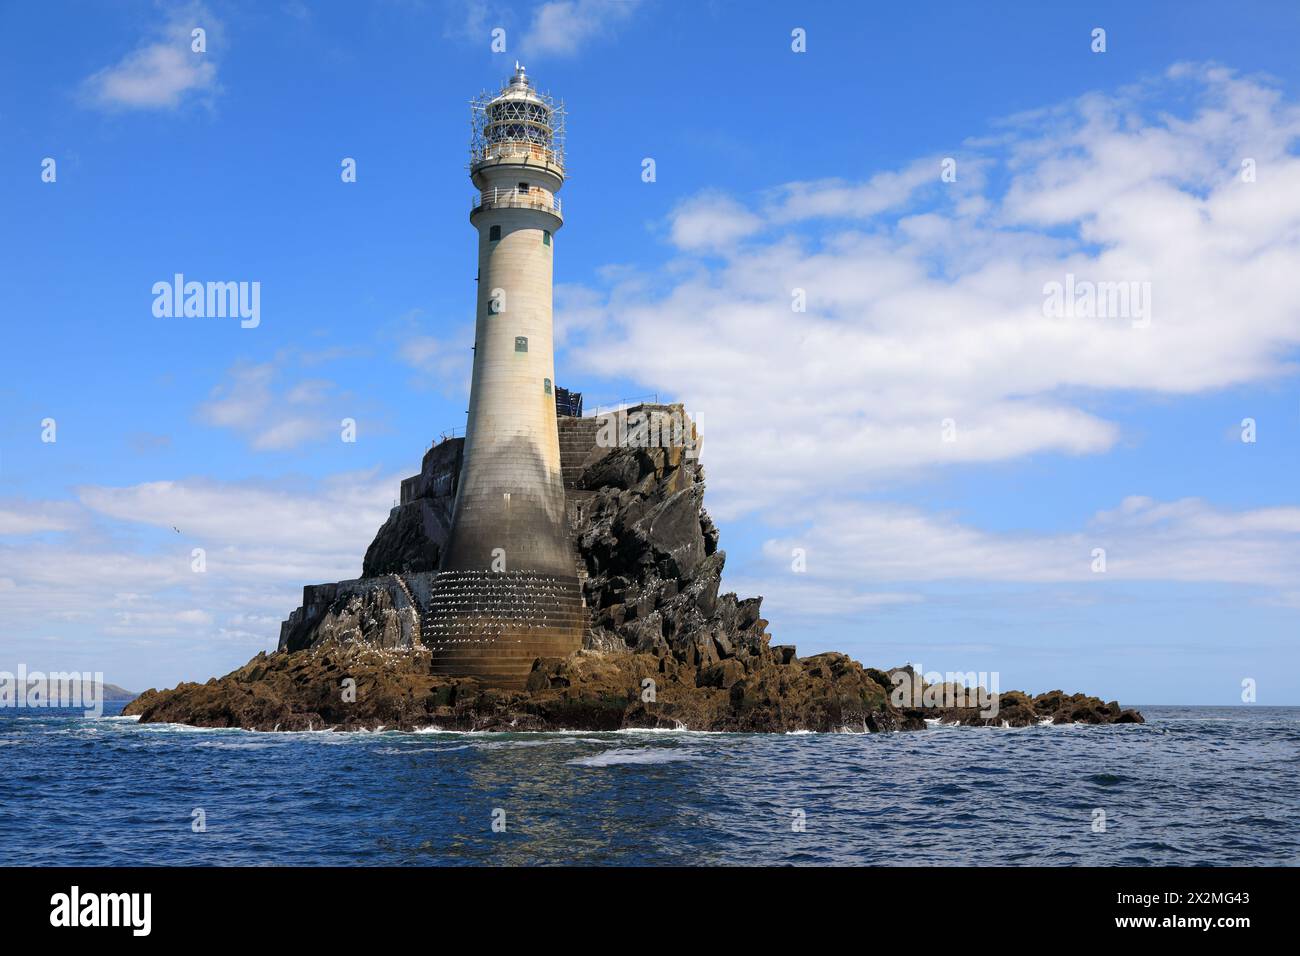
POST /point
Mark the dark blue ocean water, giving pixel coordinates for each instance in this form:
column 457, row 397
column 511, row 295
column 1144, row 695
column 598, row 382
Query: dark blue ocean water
column 1196, row 785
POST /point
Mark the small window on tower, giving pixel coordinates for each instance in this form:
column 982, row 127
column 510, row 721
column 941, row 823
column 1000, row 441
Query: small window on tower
column 494, row 233
column 521, row 343
column 494, row 307
column 523, row 187
column 546, row 383
column 546, row 237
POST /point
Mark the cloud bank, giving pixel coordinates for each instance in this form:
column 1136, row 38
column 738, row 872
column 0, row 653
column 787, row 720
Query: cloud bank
column 889, row 328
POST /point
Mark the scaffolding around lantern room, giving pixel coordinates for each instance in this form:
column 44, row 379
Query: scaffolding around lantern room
column 517, row 119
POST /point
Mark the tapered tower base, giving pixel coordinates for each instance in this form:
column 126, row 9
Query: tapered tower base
column 493, row 625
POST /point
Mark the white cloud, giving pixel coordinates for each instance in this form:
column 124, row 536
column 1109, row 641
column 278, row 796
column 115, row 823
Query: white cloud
column 818, row 598
column 467, row 20
column 123, row 576
column 333, row 517
column 163, row 72
column 441, row 364
column 837, row 199
column 159, row 623
column 711, row 222
column 561, row 27
column 272, row 416
column 578, row 310
column 36, row 517
column 935, row 311
column 1144, row 540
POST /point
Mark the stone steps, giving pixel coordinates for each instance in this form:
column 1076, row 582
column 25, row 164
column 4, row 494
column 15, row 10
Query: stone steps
column 577, row 438
column 494, row 625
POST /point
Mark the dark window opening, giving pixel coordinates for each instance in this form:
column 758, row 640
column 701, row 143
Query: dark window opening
column 494, row 233
column 521, row 343
column 523, row 187
column 546, row 383
column 546, row 237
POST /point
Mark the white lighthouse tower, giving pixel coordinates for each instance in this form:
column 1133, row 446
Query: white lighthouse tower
column 507, row 591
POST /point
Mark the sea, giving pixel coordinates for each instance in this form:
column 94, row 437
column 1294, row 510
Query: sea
column 1192, row 786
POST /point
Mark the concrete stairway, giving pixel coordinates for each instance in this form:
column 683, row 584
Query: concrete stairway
column 577, row 438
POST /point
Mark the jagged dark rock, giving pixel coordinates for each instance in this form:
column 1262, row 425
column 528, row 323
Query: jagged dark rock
column 412, row 538
column 1017, row 709
column 663, row 648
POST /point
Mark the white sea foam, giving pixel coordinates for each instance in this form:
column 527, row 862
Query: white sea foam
column 169, row 728
column 618, row 756
column 543, row 742
column 488, row 733
column 540, row 735
column 679, row 729
column 230, row 745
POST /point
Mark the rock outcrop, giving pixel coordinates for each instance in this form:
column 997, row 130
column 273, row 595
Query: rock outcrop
column 412, row 538
column 1016, row 709
column 346, row 684
column 350, row 685
column 663, row 648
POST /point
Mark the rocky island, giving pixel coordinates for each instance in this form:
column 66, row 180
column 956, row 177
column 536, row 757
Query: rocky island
column 662, row 649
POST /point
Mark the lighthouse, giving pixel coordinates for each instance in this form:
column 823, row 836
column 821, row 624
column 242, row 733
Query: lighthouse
column 507, row 589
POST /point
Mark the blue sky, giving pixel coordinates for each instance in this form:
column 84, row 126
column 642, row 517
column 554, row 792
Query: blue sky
column 775, row 171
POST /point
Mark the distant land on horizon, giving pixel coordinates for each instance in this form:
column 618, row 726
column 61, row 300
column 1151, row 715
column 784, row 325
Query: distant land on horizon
column 109, row 691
